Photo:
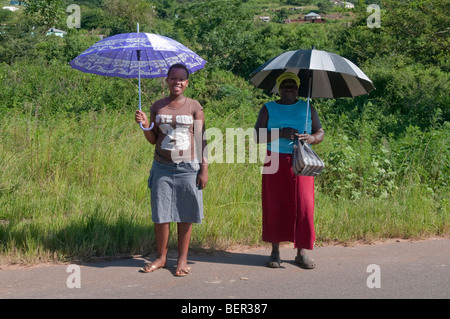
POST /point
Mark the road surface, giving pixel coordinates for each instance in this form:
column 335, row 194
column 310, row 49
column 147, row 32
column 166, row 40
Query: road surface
column 396, row 270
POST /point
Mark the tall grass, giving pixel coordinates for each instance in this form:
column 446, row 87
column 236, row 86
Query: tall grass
column 73, row 188
column 404, row 214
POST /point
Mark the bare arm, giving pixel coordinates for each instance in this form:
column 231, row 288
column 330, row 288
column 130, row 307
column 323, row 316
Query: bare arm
column 318, row 134
column 202, row 178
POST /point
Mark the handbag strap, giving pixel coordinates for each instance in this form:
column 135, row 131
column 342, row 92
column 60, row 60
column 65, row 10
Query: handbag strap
column 298, row 142
column 306, row 121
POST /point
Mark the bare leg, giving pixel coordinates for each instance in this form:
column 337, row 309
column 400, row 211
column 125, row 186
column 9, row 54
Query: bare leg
column 275, row 249
column 184, row 237
column 274, row 259
column 162, row 242
column 301, row 251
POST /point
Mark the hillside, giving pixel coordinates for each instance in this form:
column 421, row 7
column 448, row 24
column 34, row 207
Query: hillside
column 75, row 164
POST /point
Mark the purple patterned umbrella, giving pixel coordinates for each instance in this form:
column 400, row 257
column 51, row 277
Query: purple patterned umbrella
column 118, row 56
column 136, row 55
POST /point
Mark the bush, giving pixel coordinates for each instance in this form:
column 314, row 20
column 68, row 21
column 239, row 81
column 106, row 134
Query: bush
column 63, row 90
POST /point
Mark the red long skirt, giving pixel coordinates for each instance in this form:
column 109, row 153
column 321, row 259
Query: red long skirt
column 288, row 205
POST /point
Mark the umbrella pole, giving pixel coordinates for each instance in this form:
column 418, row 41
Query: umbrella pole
column 307, row 104
column 138, row 52
column 139, row 79
column 309, row 96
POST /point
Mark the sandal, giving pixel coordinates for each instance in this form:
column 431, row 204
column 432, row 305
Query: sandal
column 274, row 261
column 304, row 262
column 182, row 272
column 150, row 268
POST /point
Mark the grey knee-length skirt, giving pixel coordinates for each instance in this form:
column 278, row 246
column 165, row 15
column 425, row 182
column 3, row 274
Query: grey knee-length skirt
column 175, row 196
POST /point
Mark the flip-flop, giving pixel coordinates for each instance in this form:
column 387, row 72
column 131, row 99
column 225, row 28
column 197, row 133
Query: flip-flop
column 304, row 262
column 182, row 272
column 274, row 261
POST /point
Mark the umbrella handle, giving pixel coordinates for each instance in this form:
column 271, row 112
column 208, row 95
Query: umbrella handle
column 146, row 129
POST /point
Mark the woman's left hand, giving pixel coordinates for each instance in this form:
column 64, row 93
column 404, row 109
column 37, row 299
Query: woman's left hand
column 309, row 139
column 202, row 178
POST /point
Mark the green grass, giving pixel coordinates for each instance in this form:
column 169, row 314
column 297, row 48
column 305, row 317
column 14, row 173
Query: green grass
column 74, row 188
column 405, row 214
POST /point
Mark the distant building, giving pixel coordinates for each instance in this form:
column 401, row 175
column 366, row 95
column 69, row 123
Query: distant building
column 10, row 8
column 58, row 33
column 16, row 3
column 312, row 16
column 265, row 19
column 347, row 5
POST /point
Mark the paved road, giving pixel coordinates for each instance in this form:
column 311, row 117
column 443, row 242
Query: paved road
column 403, row 269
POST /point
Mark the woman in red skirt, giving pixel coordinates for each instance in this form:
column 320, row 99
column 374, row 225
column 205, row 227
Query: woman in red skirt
column 287, row 199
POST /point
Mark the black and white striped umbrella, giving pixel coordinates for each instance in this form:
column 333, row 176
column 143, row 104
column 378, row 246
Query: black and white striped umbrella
column 322, row 74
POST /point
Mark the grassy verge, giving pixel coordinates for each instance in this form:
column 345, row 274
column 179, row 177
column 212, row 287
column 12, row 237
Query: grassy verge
column 73, row 188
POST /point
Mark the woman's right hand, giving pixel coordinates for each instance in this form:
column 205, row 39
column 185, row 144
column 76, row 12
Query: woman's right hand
column 141, row 117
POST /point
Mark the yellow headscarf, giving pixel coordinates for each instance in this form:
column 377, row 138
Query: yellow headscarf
column 287, row 76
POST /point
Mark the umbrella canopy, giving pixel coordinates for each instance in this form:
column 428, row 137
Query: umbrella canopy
column 322, row 74
column 136, row 55
column 118, row 56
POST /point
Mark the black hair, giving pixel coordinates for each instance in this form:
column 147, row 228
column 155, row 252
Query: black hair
column 179, row 66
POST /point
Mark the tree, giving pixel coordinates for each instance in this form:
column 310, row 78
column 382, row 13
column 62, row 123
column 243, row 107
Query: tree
column 407, row 58
column 44, row 12
column 6, row 16
column 92, row 18
column 125, row 14
column 420, row 29
column 223, row 30
column 417, row 29
column 325, row 6
column 281, row 15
